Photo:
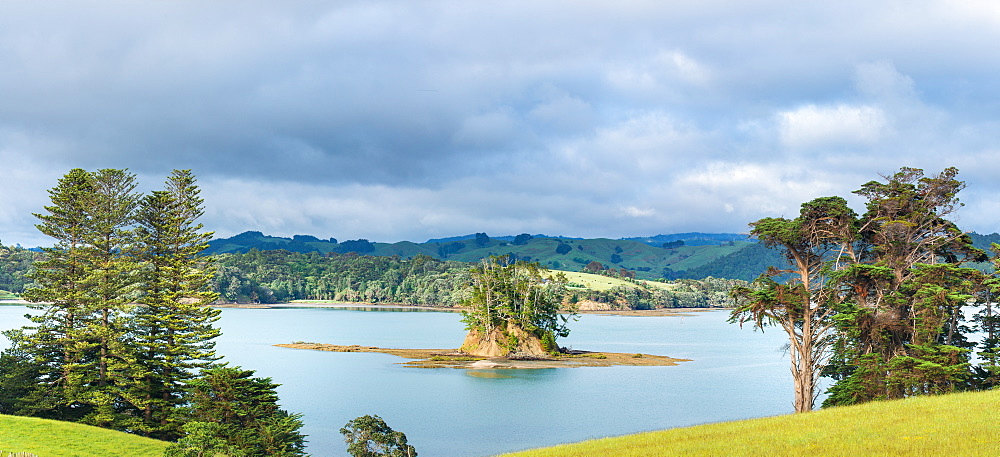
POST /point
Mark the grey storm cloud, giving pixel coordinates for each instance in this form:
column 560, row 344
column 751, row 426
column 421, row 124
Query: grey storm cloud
column 409, row 120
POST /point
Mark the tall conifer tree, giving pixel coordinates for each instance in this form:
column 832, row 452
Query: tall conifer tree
column 112, row 285
column 77, row 350
column 173, row 327
column 53, row 345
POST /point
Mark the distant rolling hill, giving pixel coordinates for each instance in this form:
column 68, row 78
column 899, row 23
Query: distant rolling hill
column 678, row 256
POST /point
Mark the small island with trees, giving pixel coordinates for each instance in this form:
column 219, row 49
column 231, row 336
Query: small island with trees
column 514, row 315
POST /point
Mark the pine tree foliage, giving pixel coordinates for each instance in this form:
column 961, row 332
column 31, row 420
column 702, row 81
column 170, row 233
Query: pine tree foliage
column 112, row 285
column 172, row 328
column 242, row 411
column 121, row 324
column 59, row 344
column 899, row 329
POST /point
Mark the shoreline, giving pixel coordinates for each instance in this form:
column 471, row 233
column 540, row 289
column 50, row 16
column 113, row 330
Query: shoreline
column 453, row 358
column 659, row 312
column 351, row 305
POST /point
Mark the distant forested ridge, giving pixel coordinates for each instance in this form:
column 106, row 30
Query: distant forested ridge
column 680, row 256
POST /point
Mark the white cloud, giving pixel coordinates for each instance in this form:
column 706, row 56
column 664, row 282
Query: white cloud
column 754, row 190
column 816, row 126
column 632, row 211
column 665, row 74
column 394, row 120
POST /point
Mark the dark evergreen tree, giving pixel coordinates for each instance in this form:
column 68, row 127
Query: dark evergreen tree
column 521, row 239
column 172, row 328
column 903, row 291
column 111, row 287
column 242, row 411
column 482, row 239
column 54, row 349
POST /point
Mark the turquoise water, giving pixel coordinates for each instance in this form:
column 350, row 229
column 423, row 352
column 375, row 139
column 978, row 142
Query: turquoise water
column 736, row 374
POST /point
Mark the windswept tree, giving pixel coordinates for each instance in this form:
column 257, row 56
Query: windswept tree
column 899, row 330
column 815, row 244
column 514, row 309
column 890, row 283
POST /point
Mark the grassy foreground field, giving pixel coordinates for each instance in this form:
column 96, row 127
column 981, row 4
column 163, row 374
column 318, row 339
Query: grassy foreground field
column 47, row 438
column 965, row 424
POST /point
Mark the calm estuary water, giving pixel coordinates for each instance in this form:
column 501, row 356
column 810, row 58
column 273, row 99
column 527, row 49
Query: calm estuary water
column 735, row 374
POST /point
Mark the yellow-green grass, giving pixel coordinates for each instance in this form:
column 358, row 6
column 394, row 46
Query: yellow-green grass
column 48, row 438
column 965, row 424
column 599, row 282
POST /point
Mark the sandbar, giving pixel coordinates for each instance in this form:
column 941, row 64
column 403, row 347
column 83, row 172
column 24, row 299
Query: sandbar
column 452, row 358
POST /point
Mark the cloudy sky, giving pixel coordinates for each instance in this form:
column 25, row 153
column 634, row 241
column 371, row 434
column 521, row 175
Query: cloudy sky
column 407, row 120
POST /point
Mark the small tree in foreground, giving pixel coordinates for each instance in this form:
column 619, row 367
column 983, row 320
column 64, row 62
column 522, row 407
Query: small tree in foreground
column 370, row 436
column 231, row 409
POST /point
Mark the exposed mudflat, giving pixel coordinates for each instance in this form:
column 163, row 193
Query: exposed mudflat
column 452, row 358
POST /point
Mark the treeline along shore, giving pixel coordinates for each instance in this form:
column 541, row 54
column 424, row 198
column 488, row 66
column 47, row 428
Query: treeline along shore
column 280, row 276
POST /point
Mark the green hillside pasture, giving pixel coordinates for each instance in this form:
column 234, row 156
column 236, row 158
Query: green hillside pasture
column 964, row 424
column 635, row 255
column 404, row 249
column 686, row 257
column 48, row 438
column 601, row 283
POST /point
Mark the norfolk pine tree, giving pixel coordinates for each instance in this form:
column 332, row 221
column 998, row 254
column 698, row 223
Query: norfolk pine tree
column 113, row 286
column 173, row 326
column 52, row 349
column 93, row 354
column 77, row 350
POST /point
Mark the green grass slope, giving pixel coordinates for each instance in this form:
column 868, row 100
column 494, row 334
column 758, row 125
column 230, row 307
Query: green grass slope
column 599, row 282
column 48, row 438
column 965, row 424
